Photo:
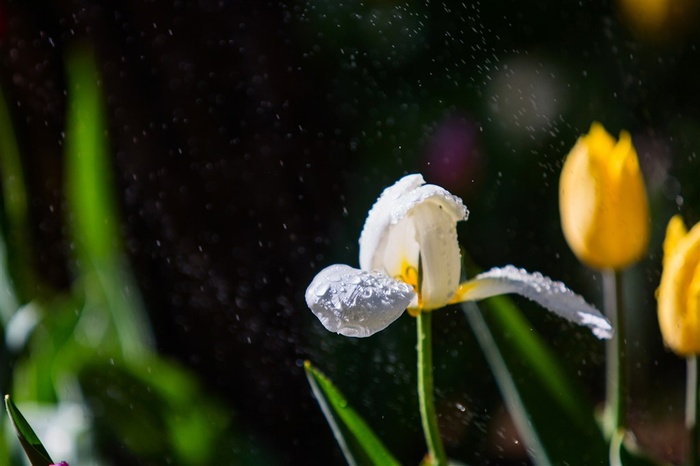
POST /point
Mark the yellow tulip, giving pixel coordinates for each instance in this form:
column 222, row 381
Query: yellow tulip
column 603, row 201
column 659, row 21
column 679, row 294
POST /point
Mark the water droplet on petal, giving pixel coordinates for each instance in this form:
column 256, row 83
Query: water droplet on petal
column 356, row 303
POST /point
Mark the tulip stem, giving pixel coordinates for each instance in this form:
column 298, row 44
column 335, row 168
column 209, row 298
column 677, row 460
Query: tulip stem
column 691, row 410
column 616, row 354
column 426, row 397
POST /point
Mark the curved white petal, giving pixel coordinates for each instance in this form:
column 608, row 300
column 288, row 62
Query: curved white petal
column 396, row 204
column 356, row 303
column 401, row 250
column 430, row 193
column 439, row 254
column 554, row 296
column 374, row 234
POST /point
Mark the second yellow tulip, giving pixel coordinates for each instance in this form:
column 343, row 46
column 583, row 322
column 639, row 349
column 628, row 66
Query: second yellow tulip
column 679, row 292
column 603, row 201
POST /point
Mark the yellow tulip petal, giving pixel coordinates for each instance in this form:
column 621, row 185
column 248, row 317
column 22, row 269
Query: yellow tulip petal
column 632, row 226
column 678, row 294
column 623, row 157
column 691, row 327
column 675, row 231
column 602, row 200
column 577, row 194
column 598, row 141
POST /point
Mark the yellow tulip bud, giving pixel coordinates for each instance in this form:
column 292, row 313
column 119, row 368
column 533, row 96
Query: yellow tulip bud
column 659, row 21
column 603, row 201
column 679, row 294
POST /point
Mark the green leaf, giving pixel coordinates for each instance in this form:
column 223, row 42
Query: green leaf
column 553, row 417
column 159, row 410
column 137, row 410
column 88, row 170
column 107, row 282
column 37, row 454
column 357, row 441
column 17, row 277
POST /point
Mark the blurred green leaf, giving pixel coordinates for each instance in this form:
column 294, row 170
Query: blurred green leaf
column 14, row 191
column 106, row 279
column 553, row 417
column 4, row 447
column 89, row 184
column 357, row 441
column 158, row 410
column 57, row 348
column 16, row 274
column 37, row 454
column 18, row 279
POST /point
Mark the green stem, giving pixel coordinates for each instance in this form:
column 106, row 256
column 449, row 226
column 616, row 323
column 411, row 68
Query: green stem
column 426, row 397
column 616, row 354
column 691, row 410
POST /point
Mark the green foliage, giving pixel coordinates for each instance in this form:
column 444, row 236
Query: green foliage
column 15, row 260
column 107, row 282
column 157, row 410
column 553, row 417
column 33, row 447
column 96, row 338
column 357, row 441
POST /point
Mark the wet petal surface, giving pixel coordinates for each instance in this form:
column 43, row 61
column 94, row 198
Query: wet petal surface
column 553, row 295
column 356, row 303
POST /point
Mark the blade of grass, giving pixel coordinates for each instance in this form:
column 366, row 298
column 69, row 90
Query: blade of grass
column 15, row 261
column 553, row 417
column 357, row 441
column 88, row 186
column 93, row 212
column 37, row 454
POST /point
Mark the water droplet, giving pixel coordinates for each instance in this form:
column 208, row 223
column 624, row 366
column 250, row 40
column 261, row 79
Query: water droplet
column 322, row 289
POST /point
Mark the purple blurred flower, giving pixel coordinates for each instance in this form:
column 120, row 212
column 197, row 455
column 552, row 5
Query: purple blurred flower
column 453, row 156
column 62, row 463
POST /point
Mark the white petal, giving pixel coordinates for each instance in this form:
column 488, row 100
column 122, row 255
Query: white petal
column 373, row 238
column 554, row 296
column 356, row 303
column 439, row 253
column 394, row 205
column 430, row 193
column 402, row 249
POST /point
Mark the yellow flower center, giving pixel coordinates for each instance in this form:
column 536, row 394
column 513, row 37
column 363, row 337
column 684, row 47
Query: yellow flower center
column 462, row 290
column 409, row 274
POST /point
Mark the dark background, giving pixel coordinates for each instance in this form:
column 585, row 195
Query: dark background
column 249, row 139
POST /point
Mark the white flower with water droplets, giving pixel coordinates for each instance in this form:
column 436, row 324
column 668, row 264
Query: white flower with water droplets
column 410, row 259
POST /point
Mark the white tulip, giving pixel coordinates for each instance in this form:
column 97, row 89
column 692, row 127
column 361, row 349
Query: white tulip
column 410, row 259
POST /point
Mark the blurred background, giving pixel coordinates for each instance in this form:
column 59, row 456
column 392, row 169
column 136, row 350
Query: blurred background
column 246, row 142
